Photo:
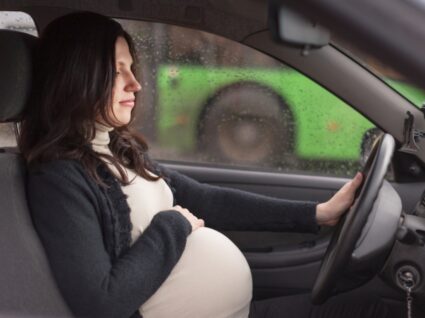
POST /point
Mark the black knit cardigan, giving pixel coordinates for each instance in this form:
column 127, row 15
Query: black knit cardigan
column 85, row 229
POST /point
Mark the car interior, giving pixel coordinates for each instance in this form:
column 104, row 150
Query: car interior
column 389, row 243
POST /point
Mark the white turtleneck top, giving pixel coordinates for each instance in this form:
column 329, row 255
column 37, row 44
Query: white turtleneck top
column 212, row 278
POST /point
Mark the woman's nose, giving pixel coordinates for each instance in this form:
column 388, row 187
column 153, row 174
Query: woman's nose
column 133, row 84
column 136, row 86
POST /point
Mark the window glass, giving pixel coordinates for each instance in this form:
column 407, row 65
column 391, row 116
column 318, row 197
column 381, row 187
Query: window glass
column 397, row 81
column 209, row 100
column 18, row 21
column 7, row 135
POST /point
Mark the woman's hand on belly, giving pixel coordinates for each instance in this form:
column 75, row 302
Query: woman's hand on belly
column 193, row 220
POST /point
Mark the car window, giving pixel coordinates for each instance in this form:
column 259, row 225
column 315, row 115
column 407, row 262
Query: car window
column 394, row 79
column 209, row 100
column 18, row 21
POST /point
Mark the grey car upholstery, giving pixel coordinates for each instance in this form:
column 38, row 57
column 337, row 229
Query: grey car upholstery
column 15, row 75
column 27, row 288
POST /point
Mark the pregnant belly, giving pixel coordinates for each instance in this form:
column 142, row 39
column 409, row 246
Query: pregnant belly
column 211, row 279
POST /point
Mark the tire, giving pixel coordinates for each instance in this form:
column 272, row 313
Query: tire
column 246, row 123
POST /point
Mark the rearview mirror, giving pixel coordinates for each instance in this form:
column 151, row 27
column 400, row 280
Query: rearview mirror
column 290, row 27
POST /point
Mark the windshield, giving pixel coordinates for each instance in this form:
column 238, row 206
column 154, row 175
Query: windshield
column 393, row 78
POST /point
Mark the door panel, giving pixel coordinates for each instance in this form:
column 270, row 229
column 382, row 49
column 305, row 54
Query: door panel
column 276, row 259
column 287, row 263
column 285, row 186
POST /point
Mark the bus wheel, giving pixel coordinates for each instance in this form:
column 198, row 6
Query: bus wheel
column 246, row 123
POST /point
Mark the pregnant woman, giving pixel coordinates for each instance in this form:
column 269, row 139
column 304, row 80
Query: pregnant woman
column 124, row 236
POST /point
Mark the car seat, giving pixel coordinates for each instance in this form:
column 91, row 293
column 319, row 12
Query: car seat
column 27, row 287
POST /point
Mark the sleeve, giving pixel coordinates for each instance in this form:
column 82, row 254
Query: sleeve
column 231, row 209
column 64, row 214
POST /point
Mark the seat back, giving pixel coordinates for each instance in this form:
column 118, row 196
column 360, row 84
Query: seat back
column 27, row 287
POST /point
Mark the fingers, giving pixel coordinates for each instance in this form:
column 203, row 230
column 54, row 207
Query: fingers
column 352, row 185
column 195, row 222
column 328, row 213
column 357, row 180
column 198, row 224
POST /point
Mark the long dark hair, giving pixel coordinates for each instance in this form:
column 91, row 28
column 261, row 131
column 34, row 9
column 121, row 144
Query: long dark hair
column 74, row 77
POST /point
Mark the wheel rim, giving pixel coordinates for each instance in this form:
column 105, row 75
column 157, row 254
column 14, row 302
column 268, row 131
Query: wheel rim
column 247, row 140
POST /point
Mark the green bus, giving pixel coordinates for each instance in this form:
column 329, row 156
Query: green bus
column 254, row 115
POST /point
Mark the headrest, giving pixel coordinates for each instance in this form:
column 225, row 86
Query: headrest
column 15, row 73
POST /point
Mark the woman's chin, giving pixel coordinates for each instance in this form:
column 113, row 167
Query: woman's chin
column 123, row 121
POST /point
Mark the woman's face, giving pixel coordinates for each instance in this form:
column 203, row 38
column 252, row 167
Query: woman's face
column 125, row 85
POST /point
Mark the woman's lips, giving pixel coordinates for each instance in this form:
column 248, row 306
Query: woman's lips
column 128, row 102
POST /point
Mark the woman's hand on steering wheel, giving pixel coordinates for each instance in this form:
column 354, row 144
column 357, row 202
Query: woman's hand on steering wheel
column 328, row 213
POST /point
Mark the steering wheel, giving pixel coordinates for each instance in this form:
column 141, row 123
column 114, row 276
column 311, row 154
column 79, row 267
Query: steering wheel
column 349, row 229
